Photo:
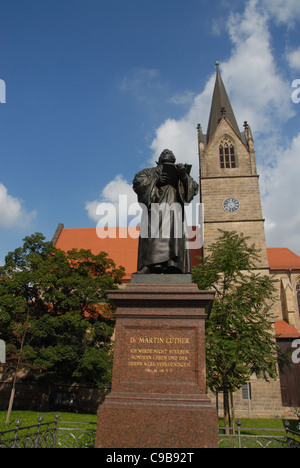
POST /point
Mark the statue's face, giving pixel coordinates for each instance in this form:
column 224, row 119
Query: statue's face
column 167, row 158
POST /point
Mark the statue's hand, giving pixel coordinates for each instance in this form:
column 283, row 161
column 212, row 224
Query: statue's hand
column 162, row 180
column 181, row 171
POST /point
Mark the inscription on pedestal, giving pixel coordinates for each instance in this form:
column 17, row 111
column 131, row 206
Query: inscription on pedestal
column 167, row 354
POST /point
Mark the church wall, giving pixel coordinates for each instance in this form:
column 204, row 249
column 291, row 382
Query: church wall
column 286, row 306
column 210, row 165
column 255, row 230
column 295, row 278
column 246, row 190
column 265, row 401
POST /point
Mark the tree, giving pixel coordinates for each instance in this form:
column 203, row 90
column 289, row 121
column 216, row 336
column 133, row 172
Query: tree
column 239, row 338
column 54, row 312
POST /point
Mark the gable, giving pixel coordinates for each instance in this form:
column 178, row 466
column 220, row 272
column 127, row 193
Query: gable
column 210, row 161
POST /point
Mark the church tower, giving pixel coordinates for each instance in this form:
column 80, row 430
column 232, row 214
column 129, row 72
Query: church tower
column 229, row 185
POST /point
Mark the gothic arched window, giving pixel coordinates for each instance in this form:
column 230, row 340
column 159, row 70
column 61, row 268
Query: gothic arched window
column 227, row 154
column 298, row 295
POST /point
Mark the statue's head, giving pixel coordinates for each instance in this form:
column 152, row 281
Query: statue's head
column 166, row 157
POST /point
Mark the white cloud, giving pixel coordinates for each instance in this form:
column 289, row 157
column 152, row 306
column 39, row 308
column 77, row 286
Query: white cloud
column 116, row 187
column 259, row 94
column 180, row 136
column 281, row 199
column 12, row 212
column 284, row 11
column 293, row 59
column 176, row 136
column 109, row 201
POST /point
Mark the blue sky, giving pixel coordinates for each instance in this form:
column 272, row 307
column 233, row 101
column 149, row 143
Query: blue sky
column 96, row 89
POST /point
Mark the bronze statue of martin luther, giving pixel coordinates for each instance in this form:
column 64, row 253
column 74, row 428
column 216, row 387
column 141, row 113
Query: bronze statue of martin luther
column 162, row 192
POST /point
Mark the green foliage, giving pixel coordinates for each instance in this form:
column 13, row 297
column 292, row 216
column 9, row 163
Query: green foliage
column 63, row 296
column 239, row 338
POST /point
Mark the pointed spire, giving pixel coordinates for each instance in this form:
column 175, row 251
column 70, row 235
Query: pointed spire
column 220, row 107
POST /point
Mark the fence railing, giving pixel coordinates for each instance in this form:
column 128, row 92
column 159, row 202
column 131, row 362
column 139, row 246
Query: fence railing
column 246, row 437
column 68, row 434
column 54, row 434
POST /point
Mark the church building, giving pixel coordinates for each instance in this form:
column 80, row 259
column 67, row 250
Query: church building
column 229, row 191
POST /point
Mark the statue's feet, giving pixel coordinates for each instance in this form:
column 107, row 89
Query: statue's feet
column 143, row 271
column 156, row 269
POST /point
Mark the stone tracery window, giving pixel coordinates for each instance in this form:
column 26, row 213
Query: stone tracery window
column 227, row 154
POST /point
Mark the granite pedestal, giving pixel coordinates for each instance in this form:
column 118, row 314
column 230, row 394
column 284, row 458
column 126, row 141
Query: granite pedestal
column 158, row 397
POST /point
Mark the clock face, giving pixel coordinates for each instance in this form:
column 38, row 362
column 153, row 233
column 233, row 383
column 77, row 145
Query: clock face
column 231, row 205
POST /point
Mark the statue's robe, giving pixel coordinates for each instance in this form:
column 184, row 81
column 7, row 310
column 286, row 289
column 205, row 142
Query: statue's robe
column 161, row 253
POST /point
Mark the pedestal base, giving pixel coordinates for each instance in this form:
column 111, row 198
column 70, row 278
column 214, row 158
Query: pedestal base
column 154, row 421
column 158, row 397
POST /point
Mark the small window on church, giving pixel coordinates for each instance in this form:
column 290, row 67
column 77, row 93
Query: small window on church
column 227, row 154
column 298, row 295
column 222, row 161
column 232, row 156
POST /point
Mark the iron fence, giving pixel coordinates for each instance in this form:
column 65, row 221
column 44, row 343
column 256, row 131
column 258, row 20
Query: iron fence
column 245, row 437
column 68, row 434
column 54, row 434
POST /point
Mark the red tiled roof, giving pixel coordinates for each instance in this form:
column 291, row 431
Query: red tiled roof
column 284, row 330
column 123, row 250
column 283, row 259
